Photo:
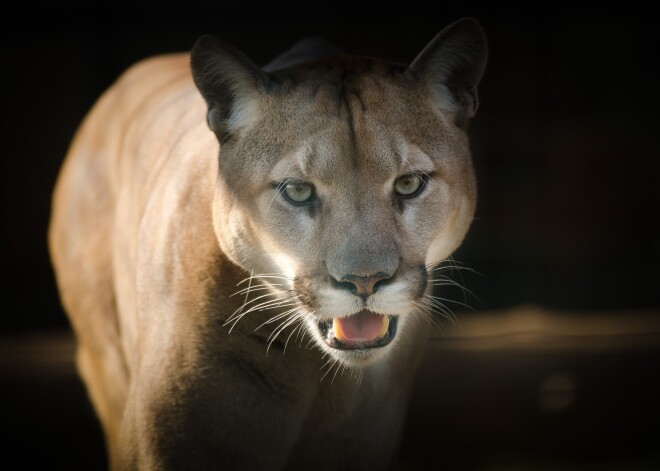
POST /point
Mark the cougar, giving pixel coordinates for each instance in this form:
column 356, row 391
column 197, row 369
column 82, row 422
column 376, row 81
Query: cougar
column 246, row 254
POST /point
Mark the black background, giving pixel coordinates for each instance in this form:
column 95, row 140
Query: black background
column 565, row 143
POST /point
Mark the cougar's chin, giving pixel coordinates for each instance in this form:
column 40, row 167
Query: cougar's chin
column 357, row 339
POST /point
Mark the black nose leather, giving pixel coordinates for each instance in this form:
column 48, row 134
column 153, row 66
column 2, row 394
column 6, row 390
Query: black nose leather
column 363, row 286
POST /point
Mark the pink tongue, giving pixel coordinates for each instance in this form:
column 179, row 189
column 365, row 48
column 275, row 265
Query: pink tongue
column 363, row 326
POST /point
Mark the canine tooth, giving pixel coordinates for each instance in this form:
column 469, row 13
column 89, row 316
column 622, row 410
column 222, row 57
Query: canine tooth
column 385, row 326
column 336, row 327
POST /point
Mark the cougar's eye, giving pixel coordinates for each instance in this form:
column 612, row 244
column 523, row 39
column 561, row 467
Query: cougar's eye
column 409, row 185
column 297, row 192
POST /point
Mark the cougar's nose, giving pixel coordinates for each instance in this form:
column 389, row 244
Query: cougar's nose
column 363, row 286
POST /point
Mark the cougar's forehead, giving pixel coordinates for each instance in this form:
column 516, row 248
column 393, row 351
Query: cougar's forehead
column 336, row 130
column 331, row 154
column 330, row 125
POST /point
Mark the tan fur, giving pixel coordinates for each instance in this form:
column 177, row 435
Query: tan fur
column 152, row 235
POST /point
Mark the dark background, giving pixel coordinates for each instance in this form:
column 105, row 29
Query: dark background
column 565, row 142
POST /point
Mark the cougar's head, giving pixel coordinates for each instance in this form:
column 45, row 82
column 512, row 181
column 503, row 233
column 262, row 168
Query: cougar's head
column 341, row 180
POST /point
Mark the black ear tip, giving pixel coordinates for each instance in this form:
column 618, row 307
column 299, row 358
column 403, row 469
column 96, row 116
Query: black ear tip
column 205, row 44
column 468, row 22
column 471, row 33
column 205, row 40
column 468, row 19
column 468, row 25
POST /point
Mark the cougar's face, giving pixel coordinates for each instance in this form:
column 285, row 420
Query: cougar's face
column 337, row 199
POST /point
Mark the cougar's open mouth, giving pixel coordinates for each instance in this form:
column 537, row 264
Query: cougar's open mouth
column 360, row 331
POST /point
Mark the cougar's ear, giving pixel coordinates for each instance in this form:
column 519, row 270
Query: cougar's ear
column 231, row 84
column 451, row 65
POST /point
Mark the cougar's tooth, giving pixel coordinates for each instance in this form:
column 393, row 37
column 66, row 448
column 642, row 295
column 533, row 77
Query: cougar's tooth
column 336, row 327
column 385, row 326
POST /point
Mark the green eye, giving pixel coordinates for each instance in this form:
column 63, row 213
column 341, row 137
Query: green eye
column 410, row 185
column 298, row 192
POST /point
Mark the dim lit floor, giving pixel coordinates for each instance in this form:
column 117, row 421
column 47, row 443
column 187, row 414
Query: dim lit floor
column 525, row 389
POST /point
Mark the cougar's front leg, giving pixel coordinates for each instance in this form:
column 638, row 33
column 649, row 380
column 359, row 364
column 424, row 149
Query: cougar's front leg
column 210, row 405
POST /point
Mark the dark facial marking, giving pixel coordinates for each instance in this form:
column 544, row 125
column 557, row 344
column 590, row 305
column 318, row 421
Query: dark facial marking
column 304, row 289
